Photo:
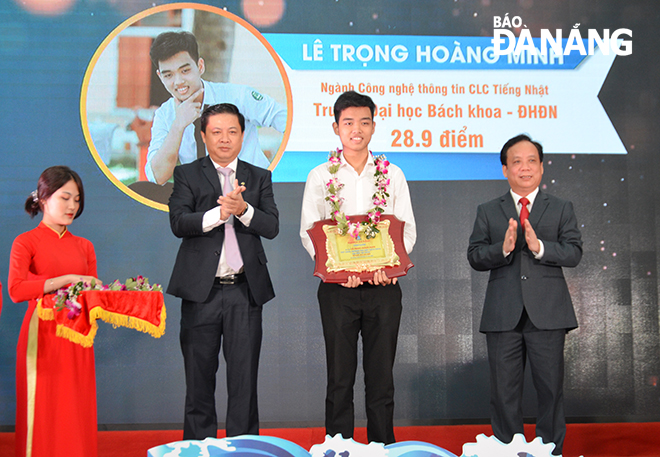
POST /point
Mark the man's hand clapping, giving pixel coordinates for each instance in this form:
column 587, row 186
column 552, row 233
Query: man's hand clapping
column 233, row 202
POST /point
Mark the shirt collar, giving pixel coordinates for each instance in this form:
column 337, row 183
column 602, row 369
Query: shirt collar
column 204, row 96
column 232, row 165
column 50, row 229
column 371, row 163
column 531, row 197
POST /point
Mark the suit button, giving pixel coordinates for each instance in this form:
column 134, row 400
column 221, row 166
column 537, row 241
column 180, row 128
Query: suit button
column 217, row 252
column 523, row 277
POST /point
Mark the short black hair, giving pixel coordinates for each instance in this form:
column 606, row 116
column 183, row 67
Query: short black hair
column 168, row 44
column 516, row 140
column 222, row 108
column 50, row 181
column 352, row 99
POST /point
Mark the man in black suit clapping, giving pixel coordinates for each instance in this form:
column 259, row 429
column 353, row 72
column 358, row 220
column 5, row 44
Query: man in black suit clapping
column 221, row 207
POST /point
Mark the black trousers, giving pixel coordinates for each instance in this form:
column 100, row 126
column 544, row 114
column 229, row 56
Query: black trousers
column 374, row 312
column 507, row 356
column 229, row 312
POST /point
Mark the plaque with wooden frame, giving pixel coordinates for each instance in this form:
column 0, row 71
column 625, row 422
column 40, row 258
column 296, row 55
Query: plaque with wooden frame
column 339, row 256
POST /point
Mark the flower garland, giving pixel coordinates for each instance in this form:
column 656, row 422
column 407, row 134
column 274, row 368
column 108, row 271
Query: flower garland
column 67, row 297
column 381, row 181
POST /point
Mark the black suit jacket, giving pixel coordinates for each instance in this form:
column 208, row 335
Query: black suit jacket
column 196, row 190
column 519, row 279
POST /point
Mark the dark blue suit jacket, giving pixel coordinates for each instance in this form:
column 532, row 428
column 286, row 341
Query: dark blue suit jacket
column 519, row 279
column 196, row 190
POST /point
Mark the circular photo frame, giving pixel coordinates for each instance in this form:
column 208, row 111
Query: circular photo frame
column 128, row 104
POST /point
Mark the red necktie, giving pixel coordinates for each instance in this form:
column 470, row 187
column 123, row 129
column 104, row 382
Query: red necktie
column 524, row 212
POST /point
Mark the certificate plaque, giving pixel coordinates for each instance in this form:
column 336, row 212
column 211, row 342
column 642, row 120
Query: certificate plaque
column 339, row 256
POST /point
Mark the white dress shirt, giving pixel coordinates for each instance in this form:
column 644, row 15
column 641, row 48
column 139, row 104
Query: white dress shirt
column 212, row 218
column 357, row 193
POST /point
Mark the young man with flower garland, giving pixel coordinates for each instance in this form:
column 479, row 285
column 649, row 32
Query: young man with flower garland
column 354, row 182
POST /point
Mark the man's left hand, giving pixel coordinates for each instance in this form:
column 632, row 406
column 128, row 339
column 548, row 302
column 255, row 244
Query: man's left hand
column 530, row 237
column 380, row 278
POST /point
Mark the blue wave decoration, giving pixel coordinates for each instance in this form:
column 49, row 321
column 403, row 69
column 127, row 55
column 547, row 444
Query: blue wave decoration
column 268, row 446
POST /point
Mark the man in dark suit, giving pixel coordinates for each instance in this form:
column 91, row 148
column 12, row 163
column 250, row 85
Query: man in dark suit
column 524, row 238
column 220, row 273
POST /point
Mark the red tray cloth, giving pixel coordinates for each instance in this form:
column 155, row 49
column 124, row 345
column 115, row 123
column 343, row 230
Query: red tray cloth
column 140, row 310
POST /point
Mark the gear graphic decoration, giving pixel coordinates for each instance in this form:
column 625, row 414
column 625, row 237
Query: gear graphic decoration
column 489, row 446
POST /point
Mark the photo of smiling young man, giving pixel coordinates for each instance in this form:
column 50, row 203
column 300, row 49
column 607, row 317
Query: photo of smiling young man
column 174, row 135
column 525, row 238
